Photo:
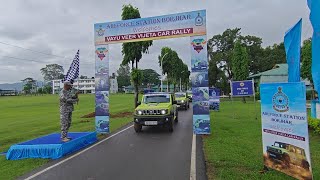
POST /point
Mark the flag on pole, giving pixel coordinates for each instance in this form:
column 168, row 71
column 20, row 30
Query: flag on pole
column 73, row 72
column 314, row 6
column 292, row 43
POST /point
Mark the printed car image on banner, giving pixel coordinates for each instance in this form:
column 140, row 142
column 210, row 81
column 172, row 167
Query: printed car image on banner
column 214, row 99
column 199, row 65
column 285, row 129
column 102, row 124
column 200, row 107
column 201, row 124
column 242, row 88
column 102, row 103
column 151, row 28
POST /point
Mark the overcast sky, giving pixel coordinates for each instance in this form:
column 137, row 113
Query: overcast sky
column 61, row 27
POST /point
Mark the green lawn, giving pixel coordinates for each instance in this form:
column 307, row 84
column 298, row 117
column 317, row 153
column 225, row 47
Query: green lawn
column 234, row 149
column 23, row 118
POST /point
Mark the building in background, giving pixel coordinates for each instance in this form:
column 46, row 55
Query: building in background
column 86, row 86
column 279, row 73
column 113, row 85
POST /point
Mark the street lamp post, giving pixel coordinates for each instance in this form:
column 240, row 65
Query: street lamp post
column 180, row 81
column 162, row 69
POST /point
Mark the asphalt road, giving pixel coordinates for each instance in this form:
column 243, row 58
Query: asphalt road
column 154, row 154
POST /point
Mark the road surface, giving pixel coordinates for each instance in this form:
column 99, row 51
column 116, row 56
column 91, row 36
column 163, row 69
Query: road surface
column 154, row 154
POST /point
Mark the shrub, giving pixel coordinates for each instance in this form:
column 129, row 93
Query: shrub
column 257, row 95
column 314, row 124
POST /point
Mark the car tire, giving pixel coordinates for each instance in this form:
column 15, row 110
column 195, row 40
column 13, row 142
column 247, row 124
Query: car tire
column 286, row 160
column 305, row 165
column 188, row 105
column 137, row 127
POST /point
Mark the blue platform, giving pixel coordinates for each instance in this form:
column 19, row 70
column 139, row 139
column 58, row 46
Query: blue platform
column 51, row 146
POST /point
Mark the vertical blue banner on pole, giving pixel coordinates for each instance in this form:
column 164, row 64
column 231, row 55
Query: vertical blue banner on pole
column 292, row 43
column 285, row 129
column 102, row 89
column 200, row 83
column 314, row 6
column 214, row 99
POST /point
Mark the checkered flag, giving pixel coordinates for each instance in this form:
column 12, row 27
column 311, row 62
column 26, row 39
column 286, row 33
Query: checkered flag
column 73, row 71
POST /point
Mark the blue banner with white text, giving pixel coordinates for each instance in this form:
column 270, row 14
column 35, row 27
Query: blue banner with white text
column 242, row 88
column 285, row 129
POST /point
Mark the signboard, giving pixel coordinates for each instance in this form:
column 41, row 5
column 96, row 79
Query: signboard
column 151, row 28
column 242, row 88
column 191, row 24
column 102, row 88
column 285, row 129
column 214, row 99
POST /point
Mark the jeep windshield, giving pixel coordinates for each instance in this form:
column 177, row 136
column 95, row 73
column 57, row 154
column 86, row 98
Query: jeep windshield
column 179, row 95
column 160, row 98
column 280, row 145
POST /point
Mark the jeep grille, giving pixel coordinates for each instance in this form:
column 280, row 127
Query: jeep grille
column 151, row 112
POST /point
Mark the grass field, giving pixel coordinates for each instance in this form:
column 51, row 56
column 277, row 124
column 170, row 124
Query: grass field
column 234, row 149
column 27, row 117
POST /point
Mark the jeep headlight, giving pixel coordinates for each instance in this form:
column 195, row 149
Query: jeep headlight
column 164, row 111
column 139, row 112
column 182, row 101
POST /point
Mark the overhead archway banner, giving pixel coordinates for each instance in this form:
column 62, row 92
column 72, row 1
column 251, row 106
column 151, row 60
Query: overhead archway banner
column 187, row 24
column 151, row 28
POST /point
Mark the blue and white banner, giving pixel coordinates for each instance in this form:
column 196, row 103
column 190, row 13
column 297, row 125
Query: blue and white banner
column 314, row 6
column 200, row 82
column 242, row 88
column 285, row 129
column 102, row 88
column 214, row 99
column 292, row 44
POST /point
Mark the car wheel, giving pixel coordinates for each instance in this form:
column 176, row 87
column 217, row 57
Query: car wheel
column 188, row 105
column 305, row 165
column 286, row 160
column 137, row 127
column 170, row 125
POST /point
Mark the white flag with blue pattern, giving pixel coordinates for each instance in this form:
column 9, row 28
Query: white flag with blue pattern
column 73, row 71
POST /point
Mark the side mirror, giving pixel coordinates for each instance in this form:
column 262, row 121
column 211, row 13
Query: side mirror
column 174, row 102
column 138, row 103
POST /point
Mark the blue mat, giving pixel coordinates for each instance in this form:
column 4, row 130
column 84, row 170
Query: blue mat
column 51, row 146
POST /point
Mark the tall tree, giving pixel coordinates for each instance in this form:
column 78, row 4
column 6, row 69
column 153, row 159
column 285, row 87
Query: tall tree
column 306, row 54
column 29, row 85
column 123, row 77
column 240, row 63
column 52, row 71
column 150, row 77
column 132, row 51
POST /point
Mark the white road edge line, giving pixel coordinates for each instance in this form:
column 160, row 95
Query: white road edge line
column 193, row 158
column 77, row 154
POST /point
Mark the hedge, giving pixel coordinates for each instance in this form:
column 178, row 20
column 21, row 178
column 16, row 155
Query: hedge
column 314, row 124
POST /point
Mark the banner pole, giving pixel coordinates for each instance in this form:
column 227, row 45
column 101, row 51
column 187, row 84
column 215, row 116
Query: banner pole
column 231, row 94
column 254, row 99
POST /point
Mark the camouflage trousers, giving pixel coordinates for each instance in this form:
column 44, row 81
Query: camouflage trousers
column 65, row 122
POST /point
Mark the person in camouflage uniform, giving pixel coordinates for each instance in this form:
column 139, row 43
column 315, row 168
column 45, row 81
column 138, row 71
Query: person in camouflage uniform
column 67, row 99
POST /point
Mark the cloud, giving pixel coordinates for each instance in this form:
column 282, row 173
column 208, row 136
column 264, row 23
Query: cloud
column 62, row 27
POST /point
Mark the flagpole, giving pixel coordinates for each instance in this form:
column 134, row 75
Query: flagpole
column 78, row 78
